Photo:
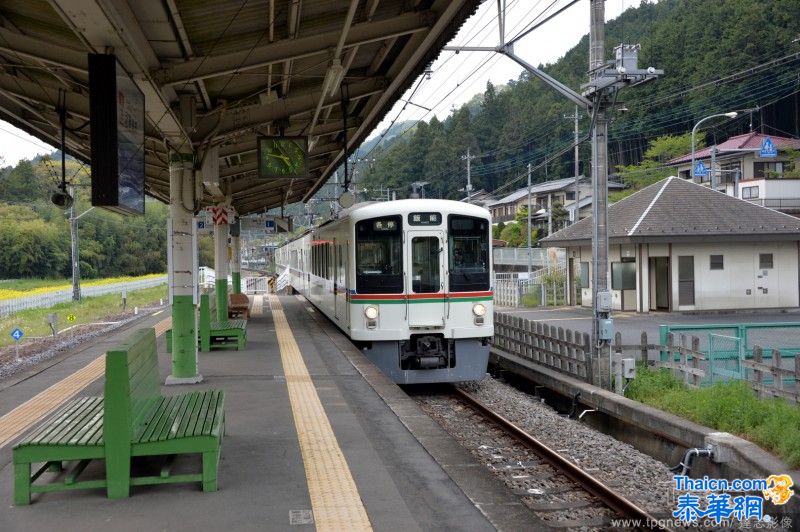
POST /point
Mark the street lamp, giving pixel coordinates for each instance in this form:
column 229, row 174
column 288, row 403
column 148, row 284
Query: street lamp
column 76, row 265
column 732, row 114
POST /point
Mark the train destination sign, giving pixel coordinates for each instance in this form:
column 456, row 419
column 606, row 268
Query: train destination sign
column 117, row 127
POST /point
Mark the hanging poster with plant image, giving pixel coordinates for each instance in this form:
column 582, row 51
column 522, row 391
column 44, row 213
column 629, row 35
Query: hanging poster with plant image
column 282, row 157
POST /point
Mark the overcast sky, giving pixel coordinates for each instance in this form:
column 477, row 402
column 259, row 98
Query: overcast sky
column 450, row 71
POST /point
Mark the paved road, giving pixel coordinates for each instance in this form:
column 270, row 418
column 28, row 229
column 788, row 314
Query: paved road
column 631, row 324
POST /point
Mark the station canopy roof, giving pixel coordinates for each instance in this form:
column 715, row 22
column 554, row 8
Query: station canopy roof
column 252, row 67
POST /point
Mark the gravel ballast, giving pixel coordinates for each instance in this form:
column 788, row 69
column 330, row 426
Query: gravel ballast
column 638, row 477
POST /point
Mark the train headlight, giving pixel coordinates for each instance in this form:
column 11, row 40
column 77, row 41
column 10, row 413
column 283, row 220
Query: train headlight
column 371, row 312
column 479, row 309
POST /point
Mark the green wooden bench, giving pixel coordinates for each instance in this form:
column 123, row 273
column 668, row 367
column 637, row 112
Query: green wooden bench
column 216, row 334
column 131, row 419
column 219, row 334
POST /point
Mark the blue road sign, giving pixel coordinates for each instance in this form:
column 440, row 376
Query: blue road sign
column 700, row 170
column 269, row 224
column 201, row 224
column 17, row 334
column 768, row 148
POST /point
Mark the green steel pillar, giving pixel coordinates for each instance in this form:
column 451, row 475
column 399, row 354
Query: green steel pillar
column 182, row 287
column 236, row 258
column 221, row 268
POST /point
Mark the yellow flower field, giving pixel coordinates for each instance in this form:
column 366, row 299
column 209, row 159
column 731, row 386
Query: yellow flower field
column 8, row 293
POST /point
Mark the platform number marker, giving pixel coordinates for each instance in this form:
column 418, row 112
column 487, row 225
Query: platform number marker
column 71, row 317
column 17, row 335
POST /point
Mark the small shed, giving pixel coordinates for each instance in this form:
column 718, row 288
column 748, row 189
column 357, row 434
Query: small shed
column 679, row 246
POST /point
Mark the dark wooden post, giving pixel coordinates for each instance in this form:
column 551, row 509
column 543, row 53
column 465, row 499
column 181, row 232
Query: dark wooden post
column 695, row 360
column 644, row 348
column 684, row 359
column 588, row 361
column 777, row 374
column 758, row 378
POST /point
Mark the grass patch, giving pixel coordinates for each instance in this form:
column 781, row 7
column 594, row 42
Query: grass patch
column 90, row 309
column 13, row 288
column 731, row 407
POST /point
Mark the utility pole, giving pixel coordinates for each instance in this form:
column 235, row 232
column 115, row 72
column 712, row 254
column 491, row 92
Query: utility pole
column 604, row 81
column 713, row 170
column 576, row 205
column 468, row 157
column 530, row 257
column 601, row 308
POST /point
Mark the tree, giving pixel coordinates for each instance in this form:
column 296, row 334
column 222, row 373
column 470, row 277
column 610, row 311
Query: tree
column 497, row 230
column 660, row 150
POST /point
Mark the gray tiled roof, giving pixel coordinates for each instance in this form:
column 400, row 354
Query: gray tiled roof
column 677, row 209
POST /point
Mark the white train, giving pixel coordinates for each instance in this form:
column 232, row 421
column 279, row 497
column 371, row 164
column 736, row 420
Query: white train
column 408, row 281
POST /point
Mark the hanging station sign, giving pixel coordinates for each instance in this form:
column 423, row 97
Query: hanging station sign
column 117, row 128
column 282, row 157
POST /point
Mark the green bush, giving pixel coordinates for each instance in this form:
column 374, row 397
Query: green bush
column 731, row 407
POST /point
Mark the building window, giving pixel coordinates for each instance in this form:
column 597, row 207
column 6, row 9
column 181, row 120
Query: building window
column 749, row 192
column 685, row 174
column 584, row 275
column 623, row 276
column 770, row 169
column 729, row 171
column 716, row 262
column 570, row 195
column 765, row 261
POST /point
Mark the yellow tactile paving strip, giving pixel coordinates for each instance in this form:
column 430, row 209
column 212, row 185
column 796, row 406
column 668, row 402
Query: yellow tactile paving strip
column 36, row 408
column 334, row 496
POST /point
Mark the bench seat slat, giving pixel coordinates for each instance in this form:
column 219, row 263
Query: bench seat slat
column 210, row 417
column 196, row 427
column 191, row 416
column 168, row 410
column 65, row 427
column 170, row 427
column 52, row 424
column 157, row 417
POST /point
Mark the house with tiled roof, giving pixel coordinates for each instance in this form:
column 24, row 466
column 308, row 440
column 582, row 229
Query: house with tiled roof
column 679, row 246
column 544, row 196
column 740, row 170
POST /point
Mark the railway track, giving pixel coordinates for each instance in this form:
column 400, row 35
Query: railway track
column 563, row 495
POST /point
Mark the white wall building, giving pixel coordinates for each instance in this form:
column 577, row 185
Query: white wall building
column 678, row 246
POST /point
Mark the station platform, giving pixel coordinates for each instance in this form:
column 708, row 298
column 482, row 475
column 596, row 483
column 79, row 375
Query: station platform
column 316, row 438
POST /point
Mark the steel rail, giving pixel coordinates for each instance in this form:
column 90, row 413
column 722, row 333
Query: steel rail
column 608, row 496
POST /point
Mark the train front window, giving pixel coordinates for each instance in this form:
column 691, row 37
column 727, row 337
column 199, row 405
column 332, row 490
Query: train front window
column 379, row 256
column 468, row 253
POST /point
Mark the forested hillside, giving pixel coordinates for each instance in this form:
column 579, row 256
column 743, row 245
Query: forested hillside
column 34, row 234
column 719, row 55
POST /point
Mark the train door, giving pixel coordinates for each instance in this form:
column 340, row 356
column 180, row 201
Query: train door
column 425, row 289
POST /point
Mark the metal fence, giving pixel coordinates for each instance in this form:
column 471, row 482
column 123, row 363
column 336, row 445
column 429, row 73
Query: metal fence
column 519, row 256
column 256, row 285
column 546, row 287
column 10, row 306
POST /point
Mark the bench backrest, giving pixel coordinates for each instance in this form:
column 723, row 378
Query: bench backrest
column 239, row 299
column 133, row 387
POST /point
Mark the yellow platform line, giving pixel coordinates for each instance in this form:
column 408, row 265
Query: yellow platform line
column 38, row 407
column 334, row 496
column 258, row 305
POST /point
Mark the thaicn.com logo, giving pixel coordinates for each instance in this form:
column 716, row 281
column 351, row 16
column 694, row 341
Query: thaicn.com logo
column 719, row 500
